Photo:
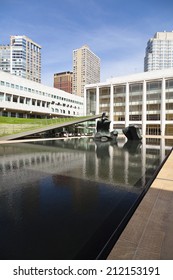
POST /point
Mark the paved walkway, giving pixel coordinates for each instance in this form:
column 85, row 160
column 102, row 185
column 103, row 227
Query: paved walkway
column 149, row 233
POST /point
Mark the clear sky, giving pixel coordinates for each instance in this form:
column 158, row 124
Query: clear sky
column 115, row 30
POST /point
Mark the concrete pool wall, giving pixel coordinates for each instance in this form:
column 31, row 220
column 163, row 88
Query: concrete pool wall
column 149, row 233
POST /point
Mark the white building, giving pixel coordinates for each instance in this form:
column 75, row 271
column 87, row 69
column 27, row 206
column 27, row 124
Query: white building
column 159, row 52
column 86, row 69
column 22, row 58
column 144, row 99
column 21, row 97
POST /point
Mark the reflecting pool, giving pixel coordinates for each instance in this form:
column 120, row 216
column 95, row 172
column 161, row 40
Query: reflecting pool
column 71, row 199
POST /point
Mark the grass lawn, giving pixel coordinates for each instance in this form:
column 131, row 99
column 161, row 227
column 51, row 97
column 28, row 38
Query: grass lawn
column 10, row 125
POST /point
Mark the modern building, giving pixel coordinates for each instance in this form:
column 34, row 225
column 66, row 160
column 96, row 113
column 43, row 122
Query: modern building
column 22, row 58
column 144, row 99
column 159, row 52
column 63, row 81
column 23, row 98
column 5, row 58
column 86, row 69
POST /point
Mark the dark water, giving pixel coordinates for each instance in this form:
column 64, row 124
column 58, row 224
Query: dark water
column 71, row 199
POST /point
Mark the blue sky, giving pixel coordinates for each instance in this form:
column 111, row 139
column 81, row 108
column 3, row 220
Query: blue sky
column 115, row 30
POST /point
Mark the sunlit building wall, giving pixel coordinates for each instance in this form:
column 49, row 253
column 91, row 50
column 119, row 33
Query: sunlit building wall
column 159, row 52
column 21, row 58
column 86, row 69
column 144, row 99
column 5, row 58
column 63, row 81
column 23, row 98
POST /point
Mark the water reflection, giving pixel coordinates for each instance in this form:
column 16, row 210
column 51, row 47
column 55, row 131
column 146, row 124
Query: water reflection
column 64, row 199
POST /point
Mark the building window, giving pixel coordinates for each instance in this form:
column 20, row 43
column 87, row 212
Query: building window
column 15, row 98
column 28, row 101
column 38, row 102
column 22, row 100
column 8, row 97
column 1, row 96
column 33, row 102
column 90, row 102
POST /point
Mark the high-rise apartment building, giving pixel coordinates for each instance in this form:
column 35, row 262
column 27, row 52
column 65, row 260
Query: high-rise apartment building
column 159, row 52
column 22, row 58
column 63, row 81
column 86, row 69
column 5, row 58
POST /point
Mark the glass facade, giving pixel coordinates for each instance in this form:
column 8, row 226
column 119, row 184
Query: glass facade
column 119, row 102
column 5, row 58
column 169, row 100
column 153, row 100
column 22, row 58
column 135, row 102
column 18, row 63
column 104, row 100
column 91, row 102
column 146, row 102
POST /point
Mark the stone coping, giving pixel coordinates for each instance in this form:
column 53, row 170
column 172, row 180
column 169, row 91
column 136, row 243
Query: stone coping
column 149, row 233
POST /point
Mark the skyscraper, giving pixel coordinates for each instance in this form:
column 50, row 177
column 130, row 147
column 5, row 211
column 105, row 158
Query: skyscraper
column 22, row 58
column 5, row 58
column 63, row 81
column 86, row 69
column 159, row 52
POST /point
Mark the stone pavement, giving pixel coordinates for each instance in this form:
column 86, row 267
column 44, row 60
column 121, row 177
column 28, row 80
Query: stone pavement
column 149, row 233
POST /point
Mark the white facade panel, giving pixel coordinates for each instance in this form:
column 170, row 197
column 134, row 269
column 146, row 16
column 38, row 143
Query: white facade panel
column 19, row 94
column 144, row 99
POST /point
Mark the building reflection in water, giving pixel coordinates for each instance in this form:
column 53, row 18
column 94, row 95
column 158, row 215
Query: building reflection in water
column 58, row 198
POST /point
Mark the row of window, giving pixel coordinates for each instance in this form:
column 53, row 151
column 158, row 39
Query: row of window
column 135, row 88
column 33, row 102
column 3, row 83
column 39, row 103
column 137, row 117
